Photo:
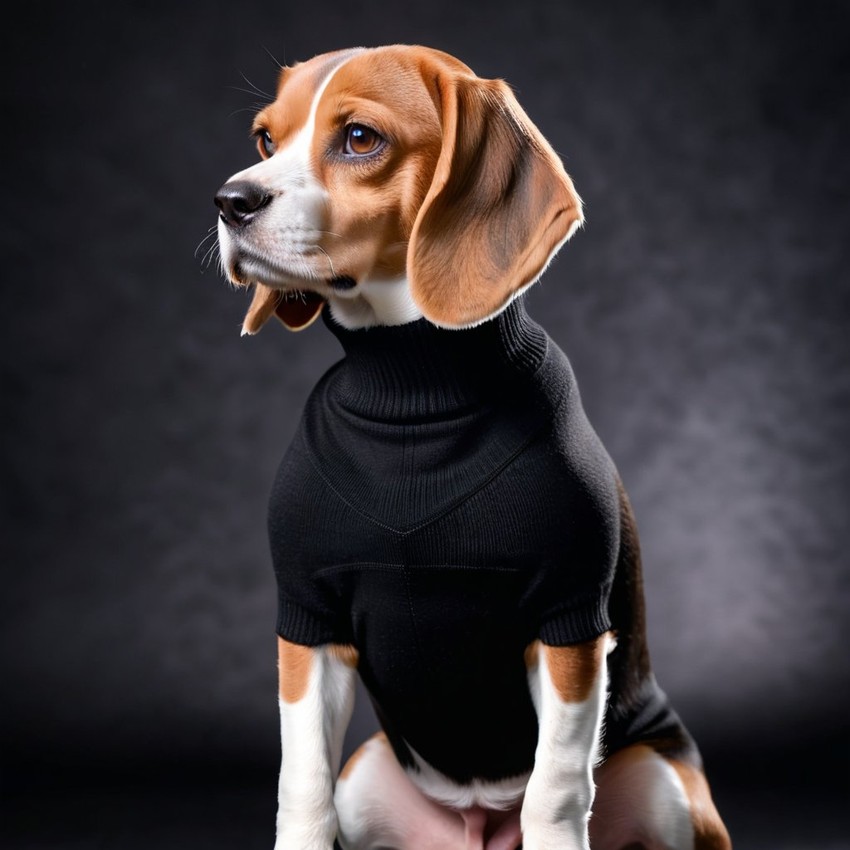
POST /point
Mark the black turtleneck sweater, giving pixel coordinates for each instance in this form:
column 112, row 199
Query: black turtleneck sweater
column 444, row 503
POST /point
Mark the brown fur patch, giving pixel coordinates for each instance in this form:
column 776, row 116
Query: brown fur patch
column 709, row 830
column 294, row 665
column 499, row 205
column 372, row 201
column 358, row 754
column 532, row 655
column 263, row 303
column 574, row 669
column 345, row 653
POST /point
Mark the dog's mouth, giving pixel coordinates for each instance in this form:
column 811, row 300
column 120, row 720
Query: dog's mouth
column 296, row 308
column 240, row 277
column 295, row 299
column 343, row 283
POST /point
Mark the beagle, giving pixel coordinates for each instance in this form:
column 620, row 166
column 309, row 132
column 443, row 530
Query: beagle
column 446, row 523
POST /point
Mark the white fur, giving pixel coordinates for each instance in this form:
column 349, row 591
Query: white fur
column 380, row 808
column 489, row 795
column 375, row 301
column 311, row 732
column 560, row 791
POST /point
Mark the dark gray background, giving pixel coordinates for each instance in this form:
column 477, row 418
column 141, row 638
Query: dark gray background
column 705, row 308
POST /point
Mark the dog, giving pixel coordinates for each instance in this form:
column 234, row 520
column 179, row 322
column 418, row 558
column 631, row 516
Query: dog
column 445, row 523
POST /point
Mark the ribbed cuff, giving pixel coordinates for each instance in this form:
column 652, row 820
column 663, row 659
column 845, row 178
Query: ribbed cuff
column 298, row 625
column 576, row 625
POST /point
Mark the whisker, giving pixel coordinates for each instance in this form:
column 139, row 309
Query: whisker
column 330, row 261
column 206, row 262
column 260, row 104
column 274, row 59
column 252, row 109
column 211, row 232
column 256, row 89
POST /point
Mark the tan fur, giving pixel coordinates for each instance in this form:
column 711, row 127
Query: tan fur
column 623, row 801
column 347, row 654
column 358, row 754
column 263, row 305
column 574, row 669
column 499, row 205
column 709, row 830
column 294, row 665
column 532, row 655
column 372, row 204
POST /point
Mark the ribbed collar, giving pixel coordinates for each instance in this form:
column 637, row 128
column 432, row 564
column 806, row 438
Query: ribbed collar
column 421, row 371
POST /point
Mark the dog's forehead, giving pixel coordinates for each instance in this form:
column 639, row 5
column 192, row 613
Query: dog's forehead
column 395, row 72
column 297, row 88
column 394, row 76
column 392, row 73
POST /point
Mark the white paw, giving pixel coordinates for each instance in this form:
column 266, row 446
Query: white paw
column 555, row 836
column 317, row 834
column 296, row 843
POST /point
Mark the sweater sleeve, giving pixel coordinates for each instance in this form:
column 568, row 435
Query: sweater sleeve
column 578, row 622
column 300, row 524
column 306, row 625
column 575, row 532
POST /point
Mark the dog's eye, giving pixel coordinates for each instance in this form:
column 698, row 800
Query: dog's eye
column 361, row 140
column 265, row 144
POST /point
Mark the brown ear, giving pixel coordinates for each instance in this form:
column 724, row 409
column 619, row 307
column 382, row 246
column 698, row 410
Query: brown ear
column 499, row 207
column 297, row 310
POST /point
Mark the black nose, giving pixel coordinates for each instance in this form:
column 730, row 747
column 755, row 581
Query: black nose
column 239, row 201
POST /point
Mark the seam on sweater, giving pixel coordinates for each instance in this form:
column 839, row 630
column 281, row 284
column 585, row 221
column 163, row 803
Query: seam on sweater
column 497, row 471
column 442, row 512
column 413, row 624
column 359, row 565
column 329, row 484
column 565, row 392
column 388, row 567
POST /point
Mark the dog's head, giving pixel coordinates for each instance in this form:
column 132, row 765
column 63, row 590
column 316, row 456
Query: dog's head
column 395, row 184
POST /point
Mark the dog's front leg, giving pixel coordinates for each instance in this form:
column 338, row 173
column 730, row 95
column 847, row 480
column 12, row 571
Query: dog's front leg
column 568, row 685
column 316, row 699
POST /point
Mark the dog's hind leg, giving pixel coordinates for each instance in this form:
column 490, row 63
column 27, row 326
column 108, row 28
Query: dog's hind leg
column 645, row 801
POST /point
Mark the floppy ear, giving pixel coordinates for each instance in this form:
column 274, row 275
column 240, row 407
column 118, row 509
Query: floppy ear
column 297, row 310
column 499, row 207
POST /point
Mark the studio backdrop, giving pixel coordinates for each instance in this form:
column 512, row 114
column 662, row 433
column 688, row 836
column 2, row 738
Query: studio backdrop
column 704, row 307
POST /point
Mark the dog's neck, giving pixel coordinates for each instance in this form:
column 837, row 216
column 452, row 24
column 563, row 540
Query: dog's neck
column 418, row 370
column 374, row 302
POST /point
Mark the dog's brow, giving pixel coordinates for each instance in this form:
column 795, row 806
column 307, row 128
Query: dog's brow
column 297, row 93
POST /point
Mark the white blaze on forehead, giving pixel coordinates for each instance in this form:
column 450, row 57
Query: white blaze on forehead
column 291, row 167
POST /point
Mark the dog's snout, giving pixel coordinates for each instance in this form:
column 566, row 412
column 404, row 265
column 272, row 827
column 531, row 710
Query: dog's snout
column 240, row 200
